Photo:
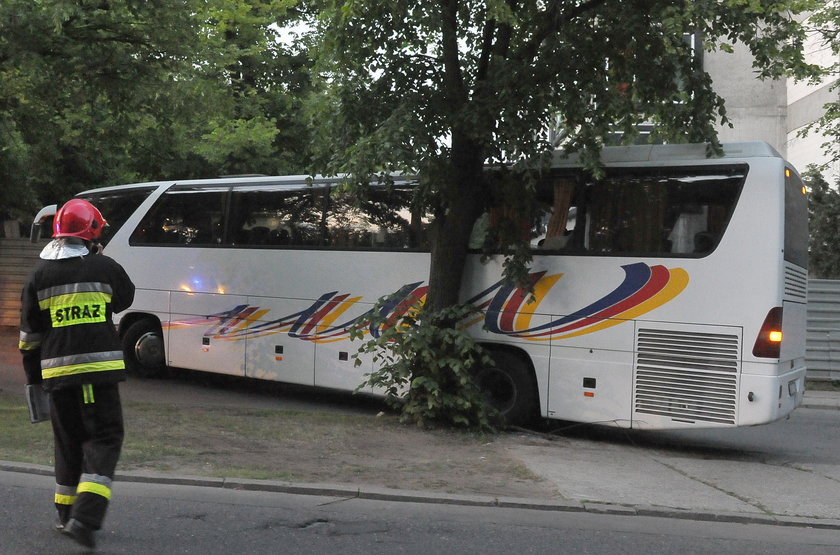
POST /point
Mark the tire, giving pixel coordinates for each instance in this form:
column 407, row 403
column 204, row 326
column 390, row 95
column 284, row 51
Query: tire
column 143, row 349
column 510, row 388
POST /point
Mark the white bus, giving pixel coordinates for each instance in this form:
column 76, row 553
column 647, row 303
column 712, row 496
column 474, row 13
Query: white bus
column 669, row 293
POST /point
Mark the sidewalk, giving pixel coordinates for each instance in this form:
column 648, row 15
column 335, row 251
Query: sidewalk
column 593, row 474
column 821, row 400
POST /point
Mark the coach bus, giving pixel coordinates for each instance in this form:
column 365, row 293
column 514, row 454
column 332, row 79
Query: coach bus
column 668, row 292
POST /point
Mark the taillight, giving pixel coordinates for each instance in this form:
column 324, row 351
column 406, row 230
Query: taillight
column 769, row 341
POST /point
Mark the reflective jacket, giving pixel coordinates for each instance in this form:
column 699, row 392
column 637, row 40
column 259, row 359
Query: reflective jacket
column 67, row 336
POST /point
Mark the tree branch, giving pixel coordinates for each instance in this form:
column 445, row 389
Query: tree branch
column 555, row 18
column 453, row 77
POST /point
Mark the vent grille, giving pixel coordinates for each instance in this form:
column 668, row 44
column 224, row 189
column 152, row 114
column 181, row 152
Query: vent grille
column 796, row 283
column 687, row 376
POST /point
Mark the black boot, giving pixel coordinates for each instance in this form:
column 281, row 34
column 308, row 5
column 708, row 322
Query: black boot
column 62, row 515
column 81, row 533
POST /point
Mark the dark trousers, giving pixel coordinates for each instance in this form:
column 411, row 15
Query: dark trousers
column 88, row 430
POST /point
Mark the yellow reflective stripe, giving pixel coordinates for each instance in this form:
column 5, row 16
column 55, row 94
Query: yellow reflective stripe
column 65, row 499
column 87, row 393
column 71, row 299
column 76, row 308
column 29, row 340
column 93, row 487
column 83, row 368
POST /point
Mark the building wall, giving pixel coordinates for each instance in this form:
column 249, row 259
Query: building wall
column 774, row 111
column 756, row 109
column 806, row 101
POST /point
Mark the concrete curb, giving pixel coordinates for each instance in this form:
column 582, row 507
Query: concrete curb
column 348, row 492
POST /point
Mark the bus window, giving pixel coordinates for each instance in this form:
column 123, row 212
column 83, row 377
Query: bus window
column 118, row 205
column 186, row 216
column 556, row 216
column 274, row 215
column 631, row 212
column 379, row 217
column 796, row 220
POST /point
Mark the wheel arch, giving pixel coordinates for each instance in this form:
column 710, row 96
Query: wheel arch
column 525, row 362
column 130, row 318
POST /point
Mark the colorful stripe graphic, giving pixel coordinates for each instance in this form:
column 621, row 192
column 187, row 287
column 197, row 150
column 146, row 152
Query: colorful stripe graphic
column 644, row 288
column 506, row 310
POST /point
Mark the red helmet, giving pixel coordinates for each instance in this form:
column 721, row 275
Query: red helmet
column 78, row 218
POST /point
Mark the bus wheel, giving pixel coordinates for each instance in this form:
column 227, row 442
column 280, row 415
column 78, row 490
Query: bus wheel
column 143, row 349
column 509, row 387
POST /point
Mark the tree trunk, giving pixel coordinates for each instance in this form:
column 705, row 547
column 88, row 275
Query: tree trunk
column 462, row 196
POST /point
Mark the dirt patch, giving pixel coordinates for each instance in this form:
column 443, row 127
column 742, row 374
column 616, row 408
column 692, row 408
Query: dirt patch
column 210, row 425
column 323, row 448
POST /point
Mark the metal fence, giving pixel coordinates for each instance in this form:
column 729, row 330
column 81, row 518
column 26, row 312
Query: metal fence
column 822, row 355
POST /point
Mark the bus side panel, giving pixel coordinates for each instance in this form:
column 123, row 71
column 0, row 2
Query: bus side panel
column 151, row 302
column 271, row 354
column 197, row 331
column 335, row 365
column 794, row 326
column 589, row 385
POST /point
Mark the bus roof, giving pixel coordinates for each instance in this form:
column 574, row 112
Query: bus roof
column 609, row 155
column 670, row 153
column 292, row 181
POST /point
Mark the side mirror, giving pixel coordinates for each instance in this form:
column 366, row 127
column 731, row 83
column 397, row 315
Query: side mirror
column 41, row 219
column 35, row 232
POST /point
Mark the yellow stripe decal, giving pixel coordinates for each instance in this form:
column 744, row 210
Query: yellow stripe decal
column 541, row 288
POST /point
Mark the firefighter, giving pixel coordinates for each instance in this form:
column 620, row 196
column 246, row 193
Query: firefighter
column 69, row 344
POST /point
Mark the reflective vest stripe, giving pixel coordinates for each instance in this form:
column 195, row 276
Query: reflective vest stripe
column 82, row 369
column 28, row 345
column 29, row 341
column 76, row 308
column 84, row 287
column 87, row 394
column 81, row 364
column 71, row 299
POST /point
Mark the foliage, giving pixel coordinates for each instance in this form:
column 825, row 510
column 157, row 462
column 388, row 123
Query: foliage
column 425, row 365
column 97, row 92
column 444, row 88
column 824, row 221
column 825, row 24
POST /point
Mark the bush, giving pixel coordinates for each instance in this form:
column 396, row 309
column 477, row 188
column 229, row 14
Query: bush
column 425, row 366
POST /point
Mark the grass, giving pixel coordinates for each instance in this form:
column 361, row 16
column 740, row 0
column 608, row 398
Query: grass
column 287, row 445
column 221, row 441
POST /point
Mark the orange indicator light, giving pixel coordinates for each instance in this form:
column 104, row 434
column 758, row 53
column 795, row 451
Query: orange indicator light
column 589, row 394
column 775, row 336
column 787, row 172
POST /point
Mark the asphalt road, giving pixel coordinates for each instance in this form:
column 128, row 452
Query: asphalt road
column 153, row 518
